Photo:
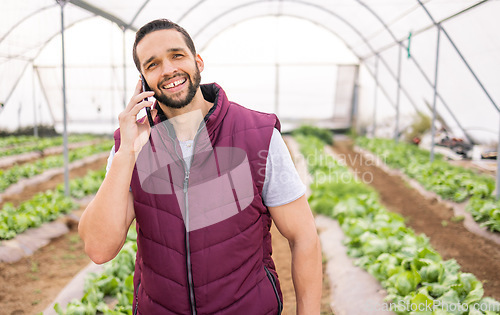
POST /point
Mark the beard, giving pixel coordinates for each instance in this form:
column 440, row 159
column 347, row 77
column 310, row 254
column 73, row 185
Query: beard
column 179, row 102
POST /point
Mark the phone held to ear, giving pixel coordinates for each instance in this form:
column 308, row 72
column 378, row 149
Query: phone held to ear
column 145, row 88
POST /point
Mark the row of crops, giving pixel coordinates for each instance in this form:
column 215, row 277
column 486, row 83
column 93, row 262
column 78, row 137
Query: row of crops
column 46, row 206
column 49, row 205
column 13, row 174
column 413, row 273
column 116, row 283
column 450, row 182
column 13, row 145
column 416, row 278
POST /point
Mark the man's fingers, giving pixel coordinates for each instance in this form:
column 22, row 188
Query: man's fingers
column 137, row 108
column 137, row 91
column 138, row 96
column 138, row 87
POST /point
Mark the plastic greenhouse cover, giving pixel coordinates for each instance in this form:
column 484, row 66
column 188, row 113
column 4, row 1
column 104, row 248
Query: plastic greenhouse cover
column 30, row 55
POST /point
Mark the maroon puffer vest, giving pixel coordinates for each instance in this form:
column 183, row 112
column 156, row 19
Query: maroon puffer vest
column 225, row 267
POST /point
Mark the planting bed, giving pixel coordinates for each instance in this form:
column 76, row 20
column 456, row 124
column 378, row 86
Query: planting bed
column 475, row 254
column 31, row 284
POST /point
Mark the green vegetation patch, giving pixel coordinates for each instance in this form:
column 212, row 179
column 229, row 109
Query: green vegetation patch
column 412, row 272
column 451, row 182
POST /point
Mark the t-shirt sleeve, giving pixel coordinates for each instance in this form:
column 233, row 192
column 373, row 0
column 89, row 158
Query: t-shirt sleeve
column 282, row 183
column 110, row 159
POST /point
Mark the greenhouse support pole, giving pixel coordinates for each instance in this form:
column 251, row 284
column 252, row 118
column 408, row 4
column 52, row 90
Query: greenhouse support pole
column 62, row 3
column 35, row 122
column 354, row 103
column 398, row 96
column 44, row 94
column 433, row 125
column 375, row 98
column 498, row 165
column 461, row 57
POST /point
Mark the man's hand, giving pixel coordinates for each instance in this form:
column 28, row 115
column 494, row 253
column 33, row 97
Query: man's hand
column 106, row 220
column 134, row 134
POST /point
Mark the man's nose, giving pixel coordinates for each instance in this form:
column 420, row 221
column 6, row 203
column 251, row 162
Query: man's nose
column 168, row 68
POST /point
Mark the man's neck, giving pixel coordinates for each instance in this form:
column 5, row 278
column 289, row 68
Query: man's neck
column 186, row 120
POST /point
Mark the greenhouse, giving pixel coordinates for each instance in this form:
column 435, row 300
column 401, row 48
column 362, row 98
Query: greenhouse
column 390, row 111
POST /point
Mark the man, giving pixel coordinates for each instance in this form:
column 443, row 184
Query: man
column 203, row 185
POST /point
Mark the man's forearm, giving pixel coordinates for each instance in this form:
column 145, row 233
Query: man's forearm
column 307, row 275
column 104, row 223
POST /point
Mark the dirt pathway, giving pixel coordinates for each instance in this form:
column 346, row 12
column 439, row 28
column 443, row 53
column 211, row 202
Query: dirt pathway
column 475, row 254
column 29, row 285
column 30, row 191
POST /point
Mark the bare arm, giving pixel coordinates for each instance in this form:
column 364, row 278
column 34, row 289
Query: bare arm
column 296, row 222
column 105, row 222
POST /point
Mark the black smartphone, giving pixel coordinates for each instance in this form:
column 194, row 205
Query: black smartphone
column 145, row 87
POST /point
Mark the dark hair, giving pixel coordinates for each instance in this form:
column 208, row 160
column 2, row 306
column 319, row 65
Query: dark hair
column 156, row 25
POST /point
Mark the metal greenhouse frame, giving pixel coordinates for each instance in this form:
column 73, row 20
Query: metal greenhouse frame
column 350, row 20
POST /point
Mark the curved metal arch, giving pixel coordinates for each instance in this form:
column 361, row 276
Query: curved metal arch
column 416, row 32
column 460, row 55
column 39, row 52
column 400, row 43
column 137, row 13
column 288, row 15
column 322, row 8
column 319, row 7
column 192, row 8
column 108, row 16
column 49, row 40
column 405, row 92
column 25, row 19
column 378, row 18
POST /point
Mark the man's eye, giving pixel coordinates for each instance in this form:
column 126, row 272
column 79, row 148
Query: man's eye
column 176, row 56
column 151, row 65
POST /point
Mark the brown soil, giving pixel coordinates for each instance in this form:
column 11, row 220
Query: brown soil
column 31, row 284
column 475, row 254
column 57, row 150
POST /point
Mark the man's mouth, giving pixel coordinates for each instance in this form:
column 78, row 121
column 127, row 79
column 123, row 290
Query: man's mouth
column 174, row 84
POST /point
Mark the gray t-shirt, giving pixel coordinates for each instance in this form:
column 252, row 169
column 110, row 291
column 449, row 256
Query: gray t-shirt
column 282, row 183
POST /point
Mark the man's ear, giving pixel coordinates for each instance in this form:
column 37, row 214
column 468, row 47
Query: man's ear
column 200, row 63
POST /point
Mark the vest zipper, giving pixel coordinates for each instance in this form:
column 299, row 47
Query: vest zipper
column 137, row 299
column 270, row 276
column 188, row 249
column 192, row 299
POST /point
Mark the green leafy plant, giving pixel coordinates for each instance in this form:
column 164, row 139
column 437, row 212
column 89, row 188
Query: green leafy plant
column 308, row 130
column 450, row 182
column 486, row 211
column 116, row 282
column 412, row 272
column 46, row 206
column 17, row 172
column 21, row 144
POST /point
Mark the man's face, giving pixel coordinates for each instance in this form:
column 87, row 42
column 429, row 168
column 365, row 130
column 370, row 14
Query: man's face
column 169, row 67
